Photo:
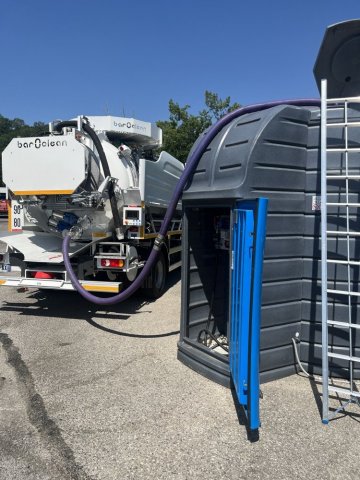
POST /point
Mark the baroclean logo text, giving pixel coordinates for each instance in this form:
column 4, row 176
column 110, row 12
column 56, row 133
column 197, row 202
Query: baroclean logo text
column 41, row 143
column 129, row 125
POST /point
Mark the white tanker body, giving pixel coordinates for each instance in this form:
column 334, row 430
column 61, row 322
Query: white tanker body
column 57, row 186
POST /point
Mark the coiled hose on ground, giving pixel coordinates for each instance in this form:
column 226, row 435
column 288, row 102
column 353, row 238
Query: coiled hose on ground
column 183, row 181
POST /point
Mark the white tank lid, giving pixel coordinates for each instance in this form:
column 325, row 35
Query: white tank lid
column 128, row 129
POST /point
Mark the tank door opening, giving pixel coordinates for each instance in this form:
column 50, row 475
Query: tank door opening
column 206, row 250
column 221, row 296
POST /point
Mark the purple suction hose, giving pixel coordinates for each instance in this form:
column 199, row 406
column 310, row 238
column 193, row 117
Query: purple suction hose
column 186, row 175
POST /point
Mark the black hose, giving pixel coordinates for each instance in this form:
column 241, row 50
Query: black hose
column 104, row 163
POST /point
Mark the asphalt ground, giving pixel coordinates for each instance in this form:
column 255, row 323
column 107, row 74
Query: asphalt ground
column 98, row 393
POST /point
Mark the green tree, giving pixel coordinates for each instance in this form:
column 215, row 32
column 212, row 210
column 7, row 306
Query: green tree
column 217, row 108
column 183, row 128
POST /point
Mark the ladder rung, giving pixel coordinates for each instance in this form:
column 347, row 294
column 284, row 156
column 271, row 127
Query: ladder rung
column 343, row 177
column 340, row 356
column 343, row 100
column 344, row 391
column 344, row 124
column 344, row 204
column 336, row 232
column 343, row 324
column 344, row 292
column 343, row 150
column 344, row 262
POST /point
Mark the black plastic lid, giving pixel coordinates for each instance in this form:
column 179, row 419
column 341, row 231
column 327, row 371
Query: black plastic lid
column 338, row 60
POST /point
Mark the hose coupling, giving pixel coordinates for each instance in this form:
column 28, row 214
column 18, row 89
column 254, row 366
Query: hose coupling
column 118, row 233
column 158, row 242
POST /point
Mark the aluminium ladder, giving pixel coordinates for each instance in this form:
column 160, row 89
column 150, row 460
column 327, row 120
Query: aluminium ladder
column 340, row 231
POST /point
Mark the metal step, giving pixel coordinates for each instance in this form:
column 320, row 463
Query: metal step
column 336, row 323
column 342, row 204
column 342, row 100
column 340, row 356
column 344, row 391
column 343, row 124
column 344, row 262
column 339, row 233
column 343, row 177
column 343, row 150
column 343, row 292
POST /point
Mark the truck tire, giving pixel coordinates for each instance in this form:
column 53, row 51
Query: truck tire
column 155, row 286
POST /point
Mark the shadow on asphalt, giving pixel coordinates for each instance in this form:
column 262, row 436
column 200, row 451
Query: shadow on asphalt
column 71, row 305
column 252, row 435
column 314, row 384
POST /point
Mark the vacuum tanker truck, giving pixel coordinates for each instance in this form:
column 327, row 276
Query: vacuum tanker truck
column 99, row 180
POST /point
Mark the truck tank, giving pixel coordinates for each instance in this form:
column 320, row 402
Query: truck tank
column 60, row 184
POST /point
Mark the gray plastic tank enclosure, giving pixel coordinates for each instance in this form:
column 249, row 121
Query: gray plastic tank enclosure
column 275, row 154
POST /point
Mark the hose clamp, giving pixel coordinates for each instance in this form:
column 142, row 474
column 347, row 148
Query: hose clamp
column 158, row 242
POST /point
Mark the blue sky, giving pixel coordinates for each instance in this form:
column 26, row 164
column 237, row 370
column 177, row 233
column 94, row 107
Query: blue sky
column 61, row 59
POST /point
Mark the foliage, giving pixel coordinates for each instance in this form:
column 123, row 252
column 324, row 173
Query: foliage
column 183, row 128
column 217, row 107
column 10, row 129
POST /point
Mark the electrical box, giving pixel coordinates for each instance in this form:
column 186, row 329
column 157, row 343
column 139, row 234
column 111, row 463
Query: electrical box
column 133, row 216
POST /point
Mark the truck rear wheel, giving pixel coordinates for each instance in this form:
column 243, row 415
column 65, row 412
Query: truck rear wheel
column 155, row 285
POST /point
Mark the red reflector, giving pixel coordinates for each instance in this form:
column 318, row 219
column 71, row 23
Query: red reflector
column 44, row 275
column 112, row 262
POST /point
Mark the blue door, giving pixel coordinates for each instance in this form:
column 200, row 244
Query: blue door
column 249, row 229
